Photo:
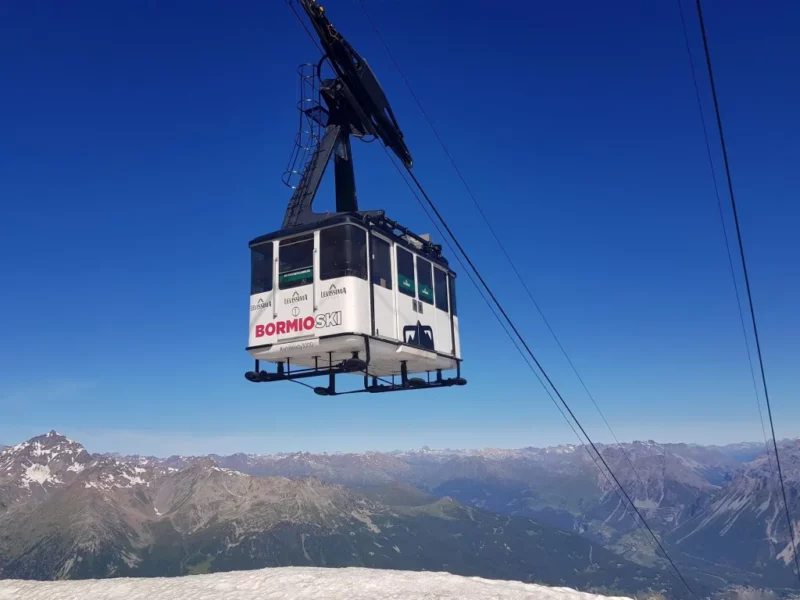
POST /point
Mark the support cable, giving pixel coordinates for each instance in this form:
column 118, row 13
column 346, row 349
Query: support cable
column 746, row 277
column 530, row 353
column 514, row 341
column 542, row 371
column 501, row 245
column 536, row 362
column 291, row 4
column 722, row 223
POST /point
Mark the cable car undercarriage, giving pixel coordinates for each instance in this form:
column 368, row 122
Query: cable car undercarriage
column 354, row 365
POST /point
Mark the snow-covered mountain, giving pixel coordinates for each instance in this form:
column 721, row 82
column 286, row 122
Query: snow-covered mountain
column 33, row 469
column 98, row 516
column 560, row 485
column 744, row 451
column 295, row 583
column 744, row 524
column 695, row 465
column 665, row 479
column 67, row 513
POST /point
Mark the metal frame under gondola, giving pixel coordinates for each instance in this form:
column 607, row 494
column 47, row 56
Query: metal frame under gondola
column 354, row 365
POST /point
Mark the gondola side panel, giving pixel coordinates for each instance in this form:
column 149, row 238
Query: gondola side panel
column 343, row 306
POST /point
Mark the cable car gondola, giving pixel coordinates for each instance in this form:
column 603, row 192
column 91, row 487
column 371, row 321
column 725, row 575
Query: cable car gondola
column 351, row 291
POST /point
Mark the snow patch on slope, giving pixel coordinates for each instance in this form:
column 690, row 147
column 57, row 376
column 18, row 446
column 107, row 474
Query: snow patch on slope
column 300, row 583
column 36, row 474
column 133, row 480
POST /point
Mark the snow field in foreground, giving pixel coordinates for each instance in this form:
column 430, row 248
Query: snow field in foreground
column 292, row 583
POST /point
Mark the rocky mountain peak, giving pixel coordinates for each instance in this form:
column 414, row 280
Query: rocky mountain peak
column 33, row 469
column 42, row 459
column 107, row 474
column 47, row 443
column 201, row 464
column 246, row 510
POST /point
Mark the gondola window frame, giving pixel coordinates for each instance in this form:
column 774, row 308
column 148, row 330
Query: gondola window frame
column 441, row 291
column 406, row 277
column 424, row 280
column 300, row 271
column 343, row 252
column 381, row 262
column 261, row 270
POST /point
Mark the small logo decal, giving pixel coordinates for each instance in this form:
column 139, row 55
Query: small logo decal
column 419, row 335
column 260, row 305
column 334, row 291
column 296, row 297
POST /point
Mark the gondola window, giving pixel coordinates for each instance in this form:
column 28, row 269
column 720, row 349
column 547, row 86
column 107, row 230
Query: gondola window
column 296, row 264
column 381, row 263
column 425, row 280
column 440, row 289
column 405, row 273
column 343, row 252
column 261, row 269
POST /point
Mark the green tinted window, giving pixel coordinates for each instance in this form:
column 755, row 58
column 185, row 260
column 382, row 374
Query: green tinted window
column 296, row 262
column 405, row 273
column 425, row 280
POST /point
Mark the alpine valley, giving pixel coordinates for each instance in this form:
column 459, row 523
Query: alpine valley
column 541, row 515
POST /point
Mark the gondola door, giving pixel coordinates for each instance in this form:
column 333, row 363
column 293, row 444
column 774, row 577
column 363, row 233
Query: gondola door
column 383, row 297
column 425, row 329
column 414, row 322
column 294, row 296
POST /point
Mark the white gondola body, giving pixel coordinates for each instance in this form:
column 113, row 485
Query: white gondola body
column 380, row 315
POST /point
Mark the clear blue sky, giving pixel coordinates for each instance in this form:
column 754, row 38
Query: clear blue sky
column 141, row 147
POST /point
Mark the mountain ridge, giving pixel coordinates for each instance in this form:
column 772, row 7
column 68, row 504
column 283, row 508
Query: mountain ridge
column 702, row 500
column 127, row 518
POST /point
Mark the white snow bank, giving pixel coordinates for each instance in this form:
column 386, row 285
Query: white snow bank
column 286, row 583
